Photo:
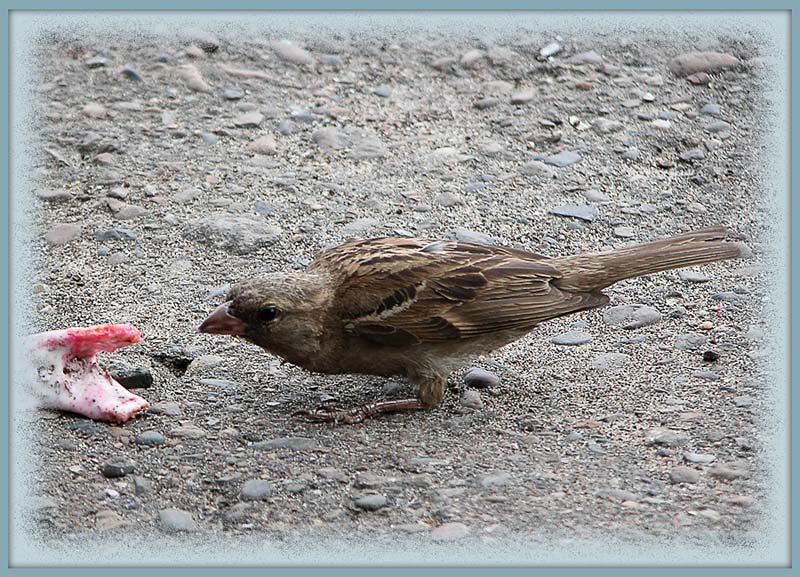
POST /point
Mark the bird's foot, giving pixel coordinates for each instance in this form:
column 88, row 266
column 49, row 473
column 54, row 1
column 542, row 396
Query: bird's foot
column 332, row 414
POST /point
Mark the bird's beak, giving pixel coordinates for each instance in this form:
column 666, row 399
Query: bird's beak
column 221, row 322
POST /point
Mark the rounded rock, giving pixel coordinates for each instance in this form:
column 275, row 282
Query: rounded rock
column 371, row 502
column 176, row 520
column 571, row 338
column 256, row 490
column 151, row 439
column 478, row 378
column 683, row 474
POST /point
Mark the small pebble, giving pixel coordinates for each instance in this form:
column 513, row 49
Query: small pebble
column 371, row 502
column 118, row 467
column 571, row 338
column 176, row 520
column 479, row 378
column 150, row 438
column 137, row 378
column 256, row 490
column 471, row 399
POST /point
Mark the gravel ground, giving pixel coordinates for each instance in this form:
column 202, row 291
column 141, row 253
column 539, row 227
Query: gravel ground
column 171, row 168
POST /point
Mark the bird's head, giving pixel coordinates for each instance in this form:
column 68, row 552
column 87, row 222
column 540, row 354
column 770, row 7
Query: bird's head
column 277, row 311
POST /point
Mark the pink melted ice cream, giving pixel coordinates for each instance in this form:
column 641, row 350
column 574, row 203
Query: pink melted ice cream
column 64, row 372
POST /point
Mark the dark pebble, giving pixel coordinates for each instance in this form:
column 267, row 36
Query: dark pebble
column 151, row 438
column 131, row 74
column 138, row 378
column 115, row 234
column 117, row 468
column 710, row 356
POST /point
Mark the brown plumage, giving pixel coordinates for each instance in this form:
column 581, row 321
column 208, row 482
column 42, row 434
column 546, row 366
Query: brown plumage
column 420, row 308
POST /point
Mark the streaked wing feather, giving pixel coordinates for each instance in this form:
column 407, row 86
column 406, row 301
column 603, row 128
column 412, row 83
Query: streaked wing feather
column 399, row 291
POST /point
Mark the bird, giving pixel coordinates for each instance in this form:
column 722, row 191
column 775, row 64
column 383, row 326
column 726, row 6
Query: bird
column 421, row 308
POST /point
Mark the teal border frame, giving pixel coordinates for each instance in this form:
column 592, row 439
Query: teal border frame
column 393, row 5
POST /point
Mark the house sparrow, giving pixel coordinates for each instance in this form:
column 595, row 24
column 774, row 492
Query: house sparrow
column 421, row 308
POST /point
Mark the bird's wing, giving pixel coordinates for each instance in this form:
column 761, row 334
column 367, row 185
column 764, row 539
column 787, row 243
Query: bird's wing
column 397, row 291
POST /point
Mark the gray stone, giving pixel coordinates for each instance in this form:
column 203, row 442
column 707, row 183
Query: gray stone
column 235, row 234
column 534, row 167
column 52, row 195
column 471, row 399
column 371, row 502
column 188, row 431
column 585, row 212
column 384, row 91
column 220, row 384
column 606, row 126
column 693, row 62
column 629, row 317
column 711, row 109
column 150, row 438
column 727, row 472
column 692, row 276
column 666, row 438
column 264, row 145
column 690, row 341
column 720, row 127
column 142, row 485
column 118, row 467
column 592, row 195
column 571, row 338
column 701, row 458
column 564, row 158
column 692, row 155
column 683, row 474
column 168, row 408
column 234, row 93
column 176, row 520
column 624, row 231
column 256, row 490
column 249, row 120
column 478, row 378
column 464, row 235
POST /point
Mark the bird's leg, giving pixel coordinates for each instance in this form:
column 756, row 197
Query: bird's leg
column 430, row 391
column 351, row 416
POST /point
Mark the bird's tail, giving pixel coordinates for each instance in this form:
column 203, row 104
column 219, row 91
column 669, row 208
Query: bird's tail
column 590, row 272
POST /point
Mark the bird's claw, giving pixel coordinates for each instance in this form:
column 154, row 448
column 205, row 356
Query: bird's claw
column 333, row 414
column 330, row 413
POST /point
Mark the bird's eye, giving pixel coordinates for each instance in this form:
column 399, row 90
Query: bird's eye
column 267, row 314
